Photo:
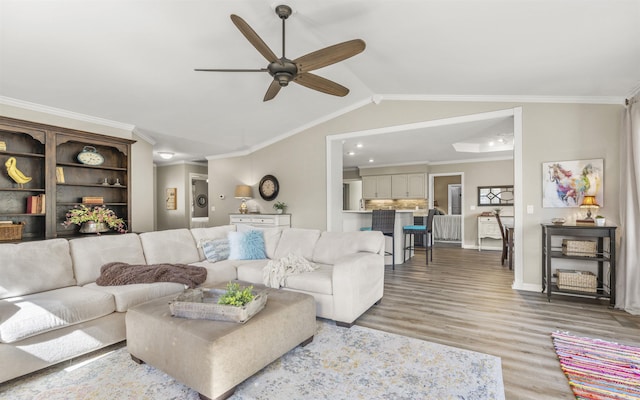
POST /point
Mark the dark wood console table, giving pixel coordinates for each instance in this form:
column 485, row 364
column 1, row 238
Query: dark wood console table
column 604, row 254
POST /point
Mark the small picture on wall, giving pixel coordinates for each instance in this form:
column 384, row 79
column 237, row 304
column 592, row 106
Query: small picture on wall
column 565, row 183
column 170, row 197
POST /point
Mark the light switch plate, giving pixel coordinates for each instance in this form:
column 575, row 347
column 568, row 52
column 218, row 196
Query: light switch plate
column 529, row 209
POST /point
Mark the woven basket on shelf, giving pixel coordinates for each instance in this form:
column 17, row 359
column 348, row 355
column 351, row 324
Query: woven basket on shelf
column 582, row 281
column 203, row 304
column 11, row 231
column 584, row 248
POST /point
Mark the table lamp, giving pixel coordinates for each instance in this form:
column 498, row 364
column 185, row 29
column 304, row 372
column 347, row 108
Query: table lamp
column 589, row 202
column 245, row 193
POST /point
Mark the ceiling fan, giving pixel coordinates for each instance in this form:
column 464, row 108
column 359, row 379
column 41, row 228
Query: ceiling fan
column 284, row 70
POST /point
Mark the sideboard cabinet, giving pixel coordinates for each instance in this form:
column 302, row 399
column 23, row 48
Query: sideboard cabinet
column 261, row 220
column 48, row 154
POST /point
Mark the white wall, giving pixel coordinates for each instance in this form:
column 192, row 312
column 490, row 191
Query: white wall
column 143, row 207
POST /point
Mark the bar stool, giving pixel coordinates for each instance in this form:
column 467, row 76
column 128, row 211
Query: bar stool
column 427, row 233
column 385, row 221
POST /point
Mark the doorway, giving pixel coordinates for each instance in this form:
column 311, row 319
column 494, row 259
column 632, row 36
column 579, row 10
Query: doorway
column 455, row 199
column 199, row 200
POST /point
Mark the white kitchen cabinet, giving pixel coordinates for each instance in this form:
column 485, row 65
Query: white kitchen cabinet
column 399, row 186
column 376, row 187
column 407, row 186
column 415, row 186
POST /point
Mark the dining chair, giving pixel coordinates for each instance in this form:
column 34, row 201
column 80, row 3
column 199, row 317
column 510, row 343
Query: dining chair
column 385, row 221
column 506, row 249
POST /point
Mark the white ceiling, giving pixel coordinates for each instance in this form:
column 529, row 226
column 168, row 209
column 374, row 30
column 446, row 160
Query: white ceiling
column 132, row 61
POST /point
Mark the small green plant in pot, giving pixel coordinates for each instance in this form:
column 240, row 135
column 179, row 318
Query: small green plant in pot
column 235, row 296
column 600, row 220
column 280, row 207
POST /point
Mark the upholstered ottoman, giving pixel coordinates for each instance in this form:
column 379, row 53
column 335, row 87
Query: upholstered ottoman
column 213, row 357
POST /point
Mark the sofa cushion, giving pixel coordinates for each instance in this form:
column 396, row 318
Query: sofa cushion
column 173, row 246
column 247, row 245
column 216, row 249
column 251, row 271
column 204, row 234
column 91, row 253
column 334, row 245
column 25, row 316
column 127, row 296
column 318, row 281
column 221, row 271
column 33, row 267
column 271, row 237
column 297, row 241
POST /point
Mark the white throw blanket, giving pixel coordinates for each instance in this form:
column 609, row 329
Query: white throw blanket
column 275, row 273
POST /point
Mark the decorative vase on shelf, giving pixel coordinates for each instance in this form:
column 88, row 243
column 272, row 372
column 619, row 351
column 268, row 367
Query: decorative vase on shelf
column 93, row 227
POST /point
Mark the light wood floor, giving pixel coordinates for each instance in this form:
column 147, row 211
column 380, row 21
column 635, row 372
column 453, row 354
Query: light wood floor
column 464, row 299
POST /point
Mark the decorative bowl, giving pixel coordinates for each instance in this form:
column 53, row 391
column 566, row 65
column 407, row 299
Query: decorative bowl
column 557, row 221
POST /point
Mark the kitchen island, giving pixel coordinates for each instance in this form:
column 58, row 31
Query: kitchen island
column 353, row 220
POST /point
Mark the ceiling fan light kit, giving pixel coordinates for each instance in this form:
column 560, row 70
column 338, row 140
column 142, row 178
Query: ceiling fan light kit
column 284, row 70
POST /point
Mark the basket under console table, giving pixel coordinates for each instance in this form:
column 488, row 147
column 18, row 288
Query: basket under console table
column 605, row 253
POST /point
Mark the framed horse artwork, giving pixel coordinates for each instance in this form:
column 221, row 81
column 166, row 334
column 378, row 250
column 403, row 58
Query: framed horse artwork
column 565, row 183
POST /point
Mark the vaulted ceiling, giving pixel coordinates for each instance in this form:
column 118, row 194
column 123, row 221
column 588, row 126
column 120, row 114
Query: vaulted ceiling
column 133, row 62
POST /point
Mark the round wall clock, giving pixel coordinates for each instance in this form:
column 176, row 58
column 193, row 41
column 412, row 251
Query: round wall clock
column 90, row 156
column 268, row 187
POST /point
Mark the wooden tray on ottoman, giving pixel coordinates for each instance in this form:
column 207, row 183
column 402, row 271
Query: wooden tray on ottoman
column 203, row 304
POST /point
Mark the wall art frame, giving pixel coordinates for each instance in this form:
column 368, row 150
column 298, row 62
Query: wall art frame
column 565, row 183
column 170, row 198
column 496, row 195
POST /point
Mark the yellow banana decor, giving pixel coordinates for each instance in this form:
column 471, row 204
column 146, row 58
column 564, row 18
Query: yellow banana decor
column 15, row 173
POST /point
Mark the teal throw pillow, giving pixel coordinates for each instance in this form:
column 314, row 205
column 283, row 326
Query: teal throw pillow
column 216, row 250
column 246, row 245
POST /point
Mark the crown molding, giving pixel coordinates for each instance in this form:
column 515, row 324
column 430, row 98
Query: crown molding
column 136, row 131
column 65, row 113
column 506, row 98
column 354, row 106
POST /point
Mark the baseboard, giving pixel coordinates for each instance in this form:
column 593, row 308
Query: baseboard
column 529, row 287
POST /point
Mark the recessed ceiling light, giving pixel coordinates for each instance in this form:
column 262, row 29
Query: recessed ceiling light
column 351, row 153
column 371, row 160
column 167, row 155
column 359, row 145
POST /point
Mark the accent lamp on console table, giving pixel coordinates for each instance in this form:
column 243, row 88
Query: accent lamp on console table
column 245, row 193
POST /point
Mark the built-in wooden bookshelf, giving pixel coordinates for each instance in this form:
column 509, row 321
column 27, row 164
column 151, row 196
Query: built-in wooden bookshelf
column 48, row 155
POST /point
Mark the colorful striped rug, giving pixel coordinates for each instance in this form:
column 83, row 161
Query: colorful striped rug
column 598, row 369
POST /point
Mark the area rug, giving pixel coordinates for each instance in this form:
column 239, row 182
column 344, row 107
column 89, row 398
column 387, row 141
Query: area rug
column 340, row 363
column 598, row 369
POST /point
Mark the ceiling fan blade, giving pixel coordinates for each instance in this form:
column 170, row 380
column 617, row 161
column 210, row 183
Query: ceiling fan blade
column 254, row 39
column 329, row 55
column 230, row 70
column 273, row 90
column 321, row 84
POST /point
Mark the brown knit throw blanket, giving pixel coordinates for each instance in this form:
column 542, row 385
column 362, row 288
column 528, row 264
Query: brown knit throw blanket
column 119, row 273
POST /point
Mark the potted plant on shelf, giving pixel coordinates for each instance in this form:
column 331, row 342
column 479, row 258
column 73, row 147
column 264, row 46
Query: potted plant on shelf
column 94, row 219
column 280, row 207
column 600, row 220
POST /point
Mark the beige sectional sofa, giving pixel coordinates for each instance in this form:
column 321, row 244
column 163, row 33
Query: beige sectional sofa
column 52, row 310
